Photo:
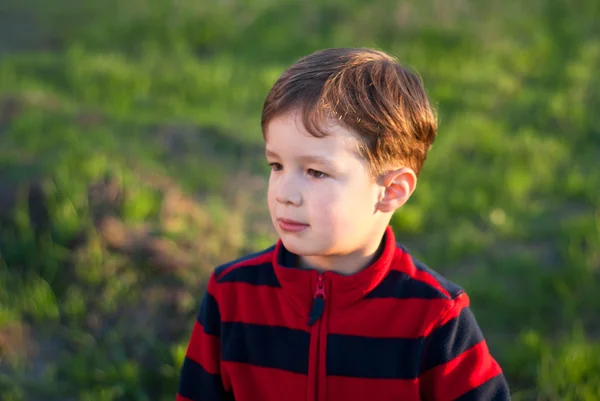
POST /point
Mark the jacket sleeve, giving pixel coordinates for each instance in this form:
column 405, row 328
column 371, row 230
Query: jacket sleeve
column 200, row 376
column 457, row 364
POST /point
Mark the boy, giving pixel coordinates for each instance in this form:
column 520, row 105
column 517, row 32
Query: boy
column 336, row 310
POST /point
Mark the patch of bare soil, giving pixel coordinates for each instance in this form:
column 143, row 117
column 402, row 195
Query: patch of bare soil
column 15, row 342
column 174, row 252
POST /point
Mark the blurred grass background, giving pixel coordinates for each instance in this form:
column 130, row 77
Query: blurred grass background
column 131, row 164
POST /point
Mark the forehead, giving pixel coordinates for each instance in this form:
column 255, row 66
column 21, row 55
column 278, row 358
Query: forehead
column 286, row 133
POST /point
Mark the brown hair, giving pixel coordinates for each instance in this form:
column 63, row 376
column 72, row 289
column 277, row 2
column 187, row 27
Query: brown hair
column 368, row 92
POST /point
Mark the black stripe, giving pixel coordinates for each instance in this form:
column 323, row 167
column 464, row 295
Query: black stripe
column 377, row 358
column 495, row 389
column 262, row 274
column 220, row 269
column 196, row 383
column 401, row 286
column 267, row 346
column 209, row 316
column 286, row 259
column 451, row 340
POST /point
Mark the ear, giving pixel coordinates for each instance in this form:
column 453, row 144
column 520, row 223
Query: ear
column 398, row 185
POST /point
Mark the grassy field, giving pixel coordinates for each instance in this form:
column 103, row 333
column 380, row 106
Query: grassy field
column 131, row 164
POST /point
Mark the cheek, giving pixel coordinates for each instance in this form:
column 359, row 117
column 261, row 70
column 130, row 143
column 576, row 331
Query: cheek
column 271, row 191
column 331, row 203
column 344, row 205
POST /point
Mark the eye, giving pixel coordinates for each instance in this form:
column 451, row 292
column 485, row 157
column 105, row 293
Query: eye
column 276, row 166
column 316, row 174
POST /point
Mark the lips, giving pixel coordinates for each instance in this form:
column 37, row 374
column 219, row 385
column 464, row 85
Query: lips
column 291, row 225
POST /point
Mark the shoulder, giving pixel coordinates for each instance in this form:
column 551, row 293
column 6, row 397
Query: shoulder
column 411, row 278
column 253, row 268
column 434, row 279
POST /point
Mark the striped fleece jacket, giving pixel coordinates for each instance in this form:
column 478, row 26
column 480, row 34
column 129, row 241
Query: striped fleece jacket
column 270, row 331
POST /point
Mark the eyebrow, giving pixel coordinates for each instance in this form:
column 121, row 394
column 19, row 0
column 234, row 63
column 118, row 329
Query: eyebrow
column 306, row 158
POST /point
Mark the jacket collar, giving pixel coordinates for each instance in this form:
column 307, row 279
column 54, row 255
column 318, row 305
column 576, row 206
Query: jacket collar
column 342, row 291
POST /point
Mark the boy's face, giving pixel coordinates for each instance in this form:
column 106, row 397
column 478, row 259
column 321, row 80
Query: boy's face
column 322, row 198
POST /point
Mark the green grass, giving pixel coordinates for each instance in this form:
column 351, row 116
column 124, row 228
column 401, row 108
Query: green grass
column 159, row 102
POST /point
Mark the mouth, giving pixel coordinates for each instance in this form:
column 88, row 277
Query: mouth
column 291, row 225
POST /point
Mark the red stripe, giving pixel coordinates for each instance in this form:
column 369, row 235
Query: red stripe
column 262, row 258
column 462, row 374
column 269, row 306
column 182, row 398
column 360, row 389
column 253, row 383
column 388, row 318
column 461, row 302
column 421, row 275
column 204, row 349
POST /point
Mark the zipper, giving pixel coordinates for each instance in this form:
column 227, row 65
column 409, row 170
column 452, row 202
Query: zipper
column 317, row 351
column 319, row 299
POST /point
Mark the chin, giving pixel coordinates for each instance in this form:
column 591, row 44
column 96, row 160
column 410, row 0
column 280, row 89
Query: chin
column 298, row 246
column 303, row 246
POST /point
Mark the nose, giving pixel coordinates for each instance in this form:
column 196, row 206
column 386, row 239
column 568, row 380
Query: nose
column 288, row 191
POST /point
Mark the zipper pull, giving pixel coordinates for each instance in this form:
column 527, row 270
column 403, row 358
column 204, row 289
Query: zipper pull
column 318, row 301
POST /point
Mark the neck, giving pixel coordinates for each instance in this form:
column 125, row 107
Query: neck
column 345, row 264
